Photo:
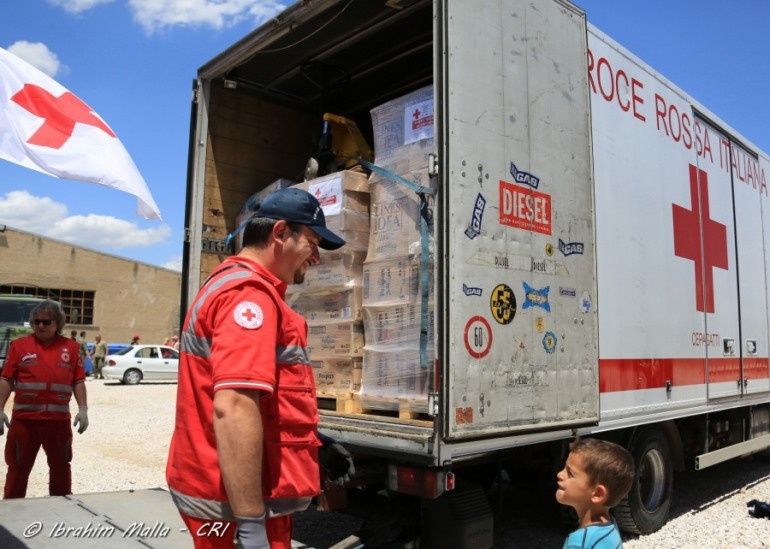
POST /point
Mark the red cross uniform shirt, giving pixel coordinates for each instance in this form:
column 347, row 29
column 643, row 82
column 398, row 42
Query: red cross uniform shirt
column 44, row 376
column 241, row 334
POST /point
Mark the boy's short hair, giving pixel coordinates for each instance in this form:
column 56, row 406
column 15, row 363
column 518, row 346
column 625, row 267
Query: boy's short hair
column 608, row 464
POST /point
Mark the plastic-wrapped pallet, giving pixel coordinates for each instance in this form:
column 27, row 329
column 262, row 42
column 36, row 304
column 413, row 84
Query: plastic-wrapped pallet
column 344, row 197
column 393, row 375
column 330, row 298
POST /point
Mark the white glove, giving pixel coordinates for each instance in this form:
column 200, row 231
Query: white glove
column 3, row 422
column 251, row 533
column 82, row 419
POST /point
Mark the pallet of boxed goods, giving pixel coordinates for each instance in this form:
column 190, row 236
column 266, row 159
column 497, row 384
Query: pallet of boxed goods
column 330, row 298
column 395, row 372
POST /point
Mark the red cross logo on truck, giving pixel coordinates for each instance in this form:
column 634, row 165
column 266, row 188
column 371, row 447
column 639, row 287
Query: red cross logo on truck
column 707, row 254
column 60, row 115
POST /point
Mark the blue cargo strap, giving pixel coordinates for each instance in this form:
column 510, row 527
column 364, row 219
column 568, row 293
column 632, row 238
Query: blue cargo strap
column 424, row 244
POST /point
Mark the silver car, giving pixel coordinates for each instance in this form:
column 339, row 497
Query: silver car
column 142, row 362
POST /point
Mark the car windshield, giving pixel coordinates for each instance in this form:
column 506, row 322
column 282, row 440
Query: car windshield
column 16, row 312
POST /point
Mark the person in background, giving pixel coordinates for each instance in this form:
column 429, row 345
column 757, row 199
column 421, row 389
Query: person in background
column 167, row 341
column 99, row 353
column 135, row 340
column 45, row 370
column 246, row 384
column 175, row 342
column 83, row 346
column 597, row 476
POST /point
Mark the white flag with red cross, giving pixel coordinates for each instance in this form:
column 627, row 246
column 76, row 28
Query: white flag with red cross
column 45, row 127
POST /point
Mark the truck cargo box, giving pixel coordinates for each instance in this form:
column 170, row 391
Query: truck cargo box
column 510, row 350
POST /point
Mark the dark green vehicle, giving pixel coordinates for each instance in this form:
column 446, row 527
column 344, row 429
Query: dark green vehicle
column 14, row 319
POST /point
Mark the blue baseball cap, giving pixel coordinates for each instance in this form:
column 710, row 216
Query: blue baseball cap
column 297, row 206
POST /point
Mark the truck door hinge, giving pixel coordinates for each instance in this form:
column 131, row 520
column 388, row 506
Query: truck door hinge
column 433, row 404
column 187, row 234
column 432, row 165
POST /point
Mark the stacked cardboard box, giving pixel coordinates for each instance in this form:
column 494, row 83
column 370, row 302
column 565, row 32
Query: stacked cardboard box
column 392, row 273
column 330, row 298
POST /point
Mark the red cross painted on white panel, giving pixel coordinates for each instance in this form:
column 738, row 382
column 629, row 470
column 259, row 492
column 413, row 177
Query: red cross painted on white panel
column 707, row 248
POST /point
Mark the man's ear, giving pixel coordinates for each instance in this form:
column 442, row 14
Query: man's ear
column 281, row 230
column 600, row 494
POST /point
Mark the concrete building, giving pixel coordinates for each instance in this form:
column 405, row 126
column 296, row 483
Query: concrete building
column 102, row 293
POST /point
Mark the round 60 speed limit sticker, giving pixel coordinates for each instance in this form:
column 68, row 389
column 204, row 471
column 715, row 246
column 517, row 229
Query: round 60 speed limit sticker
column 478, row 337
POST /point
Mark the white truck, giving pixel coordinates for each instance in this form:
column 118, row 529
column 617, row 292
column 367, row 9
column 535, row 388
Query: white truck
column 598, row 256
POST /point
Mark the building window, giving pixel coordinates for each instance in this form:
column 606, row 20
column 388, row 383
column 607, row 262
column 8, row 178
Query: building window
column 78, row 305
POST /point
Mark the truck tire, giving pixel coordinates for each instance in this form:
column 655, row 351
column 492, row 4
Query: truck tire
column 647, row 505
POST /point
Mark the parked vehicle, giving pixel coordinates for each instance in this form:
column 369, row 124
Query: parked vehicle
column 133, row 364
column 597, row 261
column 14, row 319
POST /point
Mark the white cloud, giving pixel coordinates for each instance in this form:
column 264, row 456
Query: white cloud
column 38, row 55
column 175, row 263
column 103, row 231
column 21, row 210
column 42, row 215
column 77, row 6
column 156, row 15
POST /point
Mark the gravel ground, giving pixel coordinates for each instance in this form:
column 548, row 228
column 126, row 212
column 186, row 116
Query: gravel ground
column 126, row 445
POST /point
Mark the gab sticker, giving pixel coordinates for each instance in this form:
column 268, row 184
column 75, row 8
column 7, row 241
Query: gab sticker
column 248, row 315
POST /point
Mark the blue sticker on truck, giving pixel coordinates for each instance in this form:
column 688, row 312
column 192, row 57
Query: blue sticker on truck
column 549, row 342
column 474, row 229
column 524, row 178
column 534, row 297
column 570, row 248
column 469, row 290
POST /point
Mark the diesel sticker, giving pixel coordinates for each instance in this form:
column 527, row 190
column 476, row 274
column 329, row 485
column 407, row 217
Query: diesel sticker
column 570, row 248
column 523, row 177
column 534, row 297
column 525, row 208
column 503, row 304
column 474, row 229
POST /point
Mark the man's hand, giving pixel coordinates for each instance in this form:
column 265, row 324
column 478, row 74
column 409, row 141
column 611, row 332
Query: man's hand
column 251, row 533
column 4, row 422
column 336, row 462
column 82, row 419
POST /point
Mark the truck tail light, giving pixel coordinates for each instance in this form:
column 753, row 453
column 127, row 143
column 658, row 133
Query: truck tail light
column 449, row 481
column 425, row 483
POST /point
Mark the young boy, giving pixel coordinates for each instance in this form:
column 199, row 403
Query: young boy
column 597, row 475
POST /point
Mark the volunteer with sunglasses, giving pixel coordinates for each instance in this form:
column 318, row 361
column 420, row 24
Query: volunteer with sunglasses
column 45, row 370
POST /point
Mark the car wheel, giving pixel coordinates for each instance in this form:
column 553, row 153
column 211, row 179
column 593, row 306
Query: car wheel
column 646, row 507
column 132, row 377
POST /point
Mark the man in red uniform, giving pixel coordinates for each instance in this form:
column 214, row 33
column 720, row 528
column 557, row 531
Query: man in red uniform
column 44, row 369
column 244, row 453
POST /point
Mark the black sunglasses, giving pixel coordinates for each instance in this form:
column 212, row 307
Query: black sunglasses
column 44, row 322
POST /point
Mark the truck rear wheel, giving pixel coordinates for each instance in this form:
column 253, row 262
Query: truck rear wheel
column 646, row 507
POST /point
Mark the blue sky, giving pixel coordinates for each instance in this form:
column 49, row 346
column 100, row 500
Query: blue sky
column 133, row 62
